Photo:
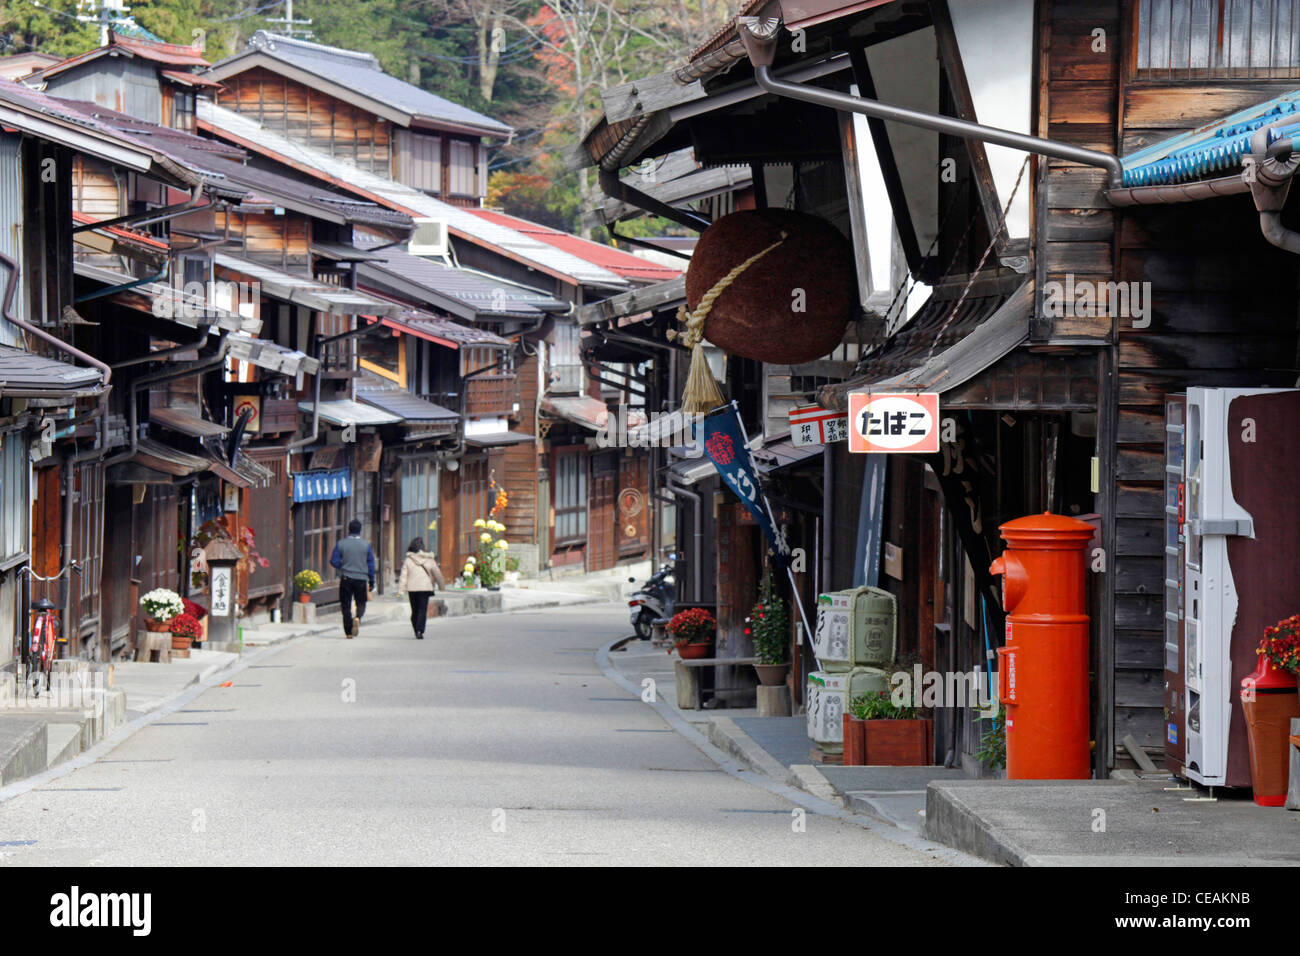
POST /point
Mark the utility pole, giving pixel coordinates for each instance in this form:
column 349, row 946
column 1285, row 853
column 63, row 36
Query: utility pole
column 109, row 11
column 290, row 24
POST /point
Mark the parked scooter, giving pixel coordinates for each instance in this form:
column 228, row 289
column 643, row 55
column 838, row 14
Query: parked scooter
column 655, row 598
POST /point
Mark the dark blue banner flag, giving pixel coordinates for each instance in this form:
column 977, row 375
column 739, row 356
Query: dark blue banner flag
column 724, row 444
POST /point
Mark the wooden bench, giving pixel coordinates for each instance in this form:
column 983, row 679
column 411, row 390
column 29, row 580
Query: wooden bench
column 147, row 642
column 690, row 692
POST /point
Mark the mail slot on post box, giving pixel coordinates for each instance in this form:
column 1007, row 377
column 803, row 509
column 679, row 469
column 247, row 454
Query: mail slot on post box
column 1043, row 669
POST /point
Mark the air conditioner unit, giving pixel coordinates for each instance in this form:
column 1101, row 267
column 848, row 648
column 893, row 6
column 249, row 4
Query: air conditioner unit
column 429, row 238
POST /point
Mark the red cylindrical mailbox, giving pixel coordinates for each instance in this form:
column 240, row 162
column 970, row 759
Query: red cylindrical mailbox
column 1043, row 669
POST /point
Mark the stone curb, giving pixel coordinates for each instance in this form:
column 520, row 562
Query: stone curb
column 741, row 771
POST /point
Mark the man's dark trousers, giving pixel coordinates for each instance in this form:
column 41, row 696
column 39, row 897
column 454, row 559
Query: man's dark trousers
column 351, row 589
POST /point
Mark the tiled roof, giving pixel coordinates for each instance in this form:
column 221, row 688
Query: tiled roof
column 462, row 293
column 359, row 74
column 22, row 370
column 251, row 135
column 1214, row 147
column 607, row 257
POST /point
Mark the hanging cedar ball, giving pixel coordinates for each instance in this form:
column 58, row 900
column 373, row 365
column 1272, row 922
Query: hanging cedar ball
column 792, row 303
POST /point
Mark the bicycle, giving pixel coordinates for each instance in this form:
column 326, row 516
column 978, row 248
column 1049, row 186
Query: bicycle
column 42, row 647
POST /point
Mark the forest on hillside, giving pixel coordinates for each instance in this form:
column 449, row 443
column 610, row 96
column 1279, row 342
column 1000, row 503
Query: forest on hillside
column 539, row 66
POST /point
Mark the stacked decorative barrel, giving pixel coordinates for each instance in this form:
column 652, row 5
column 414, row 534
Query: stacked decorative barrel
column 857, row 631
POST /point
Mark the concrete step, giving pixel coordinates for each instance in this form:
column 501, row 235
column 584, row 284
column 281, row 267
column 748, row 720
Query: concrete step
column 63, row 742
column 23, row 747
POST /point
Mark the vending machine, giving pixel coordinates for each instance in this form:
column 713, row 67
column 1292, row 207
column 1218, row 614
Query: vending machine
column 1232, row 564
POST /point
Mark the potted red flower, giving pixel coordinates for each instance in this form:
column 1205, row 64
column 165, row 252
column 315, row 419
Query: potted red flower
column 200, row 614
column 1269, row 702
column 692, row 631
column 185, row 628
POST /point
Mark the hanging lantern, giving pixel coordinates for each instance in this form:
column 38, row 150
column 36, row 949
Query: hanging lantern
column 771, row 285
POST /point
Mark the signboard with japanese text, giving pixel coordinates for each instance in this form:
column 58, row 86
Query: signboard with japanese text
column 814, row 425
column 891, row 423
column 222, row 582
column 724, row 444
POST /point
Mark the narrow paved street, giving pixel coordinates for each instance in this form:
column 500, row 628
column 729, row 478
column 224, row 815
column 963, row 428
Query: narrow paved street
column 494, row 741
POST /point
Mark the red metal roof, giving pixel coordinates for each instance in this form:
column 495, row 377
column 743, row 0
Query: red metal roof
column 130, row 235
column 172, row 54
column 607, row 257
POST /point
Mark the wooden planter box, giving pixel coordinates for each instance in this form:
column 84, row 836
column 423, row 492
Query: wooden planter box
column 896, row 743
column 855, row 750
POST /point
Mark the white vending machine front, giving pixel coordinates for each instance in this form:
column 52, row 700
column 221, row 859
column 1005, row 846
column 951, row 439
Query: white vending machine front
column 1210, row 596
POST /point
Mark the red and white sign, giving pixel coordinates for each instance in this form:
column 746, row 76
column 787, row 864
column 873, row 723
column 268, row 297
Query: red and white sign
column 889, row 423
column 814, row 425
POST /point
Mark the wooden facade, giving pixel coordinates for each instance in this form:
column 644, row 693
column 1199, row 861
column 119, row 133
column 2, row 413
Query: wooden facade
column 311, row 117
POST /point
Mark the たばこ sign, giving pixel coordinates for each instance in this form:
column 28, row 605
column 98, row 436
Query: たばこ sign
column 885, row 423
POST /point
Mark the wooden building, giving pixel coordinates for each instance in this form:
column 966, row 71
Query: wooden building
column 291, row 107
column 975, row 287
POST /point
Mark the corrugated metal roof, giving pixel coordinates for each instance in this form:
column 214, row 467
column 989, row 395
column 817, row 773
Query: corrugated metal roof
column 165, row 301
column 25, row 371
column 436, row 328
column 344, row 412
column 253, row 136
column 301, row 290
column 493, row 439
column 938, row 351
column 359, row 74
column 225, row 163
column 49, row 118
column 185, row 423
column 463, row 293
column 607, row 257
column 1213, row 147
column 395, row 400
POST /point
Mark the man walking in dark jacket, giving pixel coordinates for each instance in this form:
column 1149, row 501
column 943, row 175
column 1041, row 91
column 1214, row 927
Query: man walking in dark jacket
column 354, row 559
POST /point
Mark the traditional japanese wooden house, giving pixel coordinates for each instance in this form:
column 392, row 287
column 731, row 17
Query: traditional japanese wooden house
column 1031, row 287
column 332, row 115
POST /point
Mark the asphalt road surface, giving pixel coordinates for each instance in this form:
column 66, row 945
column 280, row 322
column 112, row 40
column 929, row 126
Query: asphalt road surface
column 496, row 740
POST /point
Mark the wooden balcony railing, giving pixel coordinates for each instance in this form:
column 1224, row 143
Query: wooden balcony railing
column 492, row 395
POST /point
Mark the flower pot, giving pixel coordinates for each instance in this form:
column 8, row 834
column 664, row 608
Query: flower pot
column 897, row 743
column 304, row 598
column 1268, row 727
column 694, row 650
column 771, row 675
column 155, row 625
column 180, row 643
column 854, row 741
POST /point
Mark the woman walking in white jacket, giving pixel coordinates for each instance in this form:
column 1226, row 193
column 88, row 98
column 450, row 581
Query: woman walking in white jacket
column 419, row 572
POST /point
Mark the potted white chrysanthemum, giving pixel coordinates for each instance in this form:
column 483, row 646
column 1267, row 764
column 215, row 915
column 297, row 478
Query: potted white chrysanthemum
column 160, row 606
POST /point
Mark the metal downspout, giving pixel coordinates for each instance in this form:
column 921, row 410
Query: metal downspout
column 193, row 368
column 1271, row 186
column 106, row 373
column 759, row 36
column 675, row 489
